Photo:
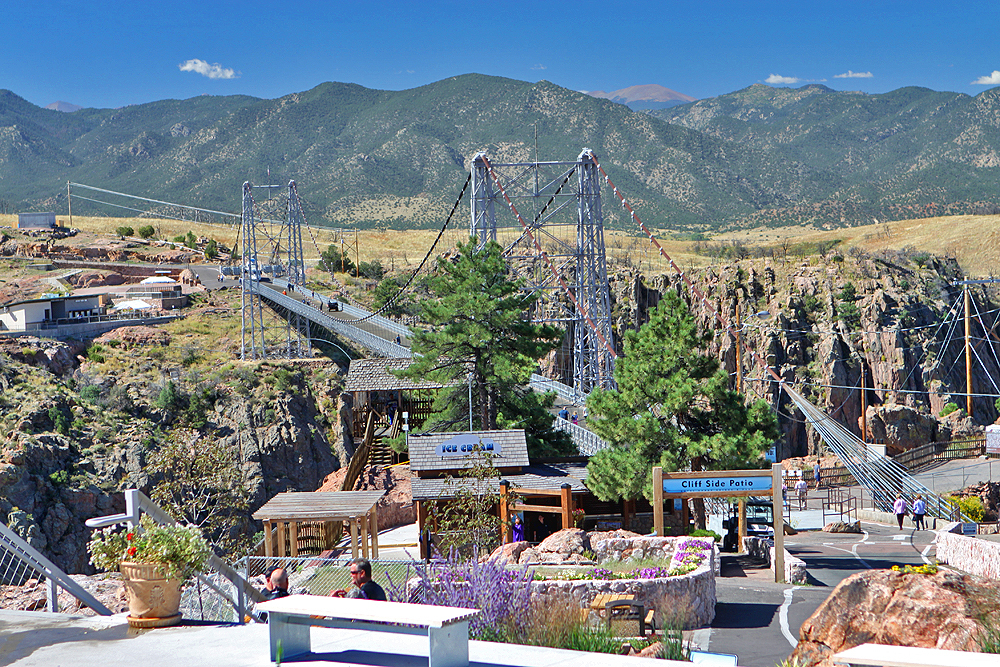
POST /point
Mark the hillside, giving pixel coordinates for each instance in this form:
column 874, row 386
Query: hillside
column 760, row 156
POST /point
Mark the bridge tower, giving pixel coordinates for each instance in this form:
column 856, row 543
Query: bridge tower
column 272, row 229
column 251, row 311
column 556, row 242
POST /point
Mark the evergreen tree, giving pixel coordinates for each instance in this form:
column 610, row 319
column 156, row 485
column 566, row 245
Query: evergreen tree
column 673, row 408
column 481, row 328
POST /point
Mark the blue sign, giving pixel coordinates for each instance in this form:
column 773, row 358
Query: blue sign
column 716, row 484
column 467, row 443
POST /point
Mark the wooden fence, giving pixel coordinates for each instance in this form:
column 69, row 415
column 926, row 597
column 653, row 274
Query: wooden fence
column 913, row 459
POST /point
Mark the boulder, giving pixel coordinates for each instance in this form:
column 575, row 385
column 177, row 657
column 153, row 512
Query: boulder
column 509, row 554
column 843, row 527
column 887, row 607
column 568, row 545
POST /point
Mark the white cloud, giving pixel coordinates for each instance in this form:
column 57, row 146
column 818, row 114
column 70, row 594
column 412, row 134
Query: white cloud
column 212, row 71
column 853, row 75
column 991, row 80
column 778, row 79
column 539, row 66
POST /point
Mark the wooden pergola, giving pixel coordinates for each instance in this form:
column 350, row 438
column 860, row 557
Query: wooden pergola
column 283, row 514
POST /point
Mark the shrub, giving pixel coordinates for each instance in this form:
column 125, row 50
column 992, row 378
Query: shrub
column 91, row 393
column 60, row 422
column 948, row 409
column 124, row 231
column 372, row 270
column 707, row 533
column 970, row 506
column 503, row 595
column 211, row 249
column 146, row 232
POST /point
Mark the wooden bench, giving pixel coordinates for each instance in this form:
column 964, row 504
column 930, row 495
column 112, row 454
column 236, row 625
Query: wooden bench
column 447, row 628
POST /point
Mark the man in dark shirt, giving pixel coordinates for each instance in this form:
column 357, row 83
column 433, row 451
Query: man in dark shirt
column 365, row 588
column 277, row 584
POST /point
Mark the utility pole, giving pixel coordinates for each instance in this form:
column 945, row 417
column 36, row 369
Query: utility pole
column 739, row 351
column 864, row 406
column 968, row 351
column 69, row 198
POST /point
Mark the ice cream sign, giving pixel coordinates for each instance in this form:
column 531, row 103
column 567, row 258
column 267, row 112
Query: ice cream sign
column 465, row 444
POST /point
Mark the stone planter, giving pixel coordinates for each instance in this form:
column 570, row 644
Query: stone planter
column 154, row 601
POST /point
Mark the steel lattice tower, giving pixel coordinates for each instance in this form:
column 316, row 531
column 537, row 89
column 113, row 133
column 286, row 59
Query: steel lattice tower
column 297, row 339
column 251, row 312
column 284, row 251
column 557, row 245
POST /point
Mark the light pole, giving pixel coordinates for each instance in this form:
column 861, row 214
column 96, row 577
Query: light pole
column 470, row 400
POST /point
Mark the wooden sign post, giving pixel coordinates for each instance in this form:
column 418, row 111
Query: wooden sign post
column 725, row 484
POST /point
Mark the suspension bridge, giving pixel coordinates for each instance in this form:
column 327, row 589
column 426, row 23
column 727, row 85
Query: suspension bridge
column 548, row 218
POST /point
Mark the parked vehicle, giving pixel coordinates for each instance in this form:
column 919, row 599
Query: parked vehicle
column 760, row 522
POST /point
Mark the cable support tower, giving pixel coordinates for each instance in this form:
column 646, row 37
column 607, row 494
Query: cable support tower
column 271, row 228
column 558, row 250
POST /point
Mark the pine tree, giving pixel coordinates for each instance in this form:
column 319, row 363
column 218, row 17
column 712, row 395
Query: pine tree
column 480, row 327
column 673, row 408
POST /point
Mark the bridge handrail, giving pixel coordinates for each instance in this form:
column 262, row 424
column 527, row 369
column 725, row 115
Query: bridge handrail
column 564, row 391
column 588, row 442
column 27, row 554
column 378, row 345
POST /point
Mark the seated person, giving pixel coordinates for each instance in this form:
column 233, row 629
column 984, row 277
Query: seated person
column 275, row 586
column 364, row 587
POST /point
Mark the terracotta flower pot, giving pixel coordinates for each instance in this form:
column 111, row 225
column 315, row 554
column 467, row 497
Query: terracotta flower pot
column 154, row 601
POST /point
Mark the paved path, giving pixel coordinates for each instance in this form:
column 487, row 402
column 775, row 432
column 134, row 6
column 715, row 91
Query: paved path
column 759, row 620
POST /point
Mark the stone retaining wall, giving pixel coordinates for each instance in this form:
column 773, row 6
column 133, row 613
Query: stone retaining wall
column 761, row 547
column 889, row 519
column 969, row 554
column 690, row 596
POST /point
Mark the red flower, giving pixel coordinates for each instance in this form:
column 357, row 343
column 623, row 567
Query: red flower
column 131, row 551
column 130, row 536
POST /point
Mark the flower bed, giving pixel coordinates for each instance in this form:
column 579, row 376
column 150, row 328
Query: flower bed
column 685, row 588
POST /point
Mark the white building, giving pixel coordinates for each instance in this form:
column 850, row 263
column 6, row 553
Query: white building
column 37, row 313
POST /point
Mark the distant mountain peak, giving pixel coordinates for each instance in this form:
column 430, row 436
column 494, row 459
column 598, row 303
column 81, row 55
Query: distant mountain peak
column 63, row 106
column 646, row 96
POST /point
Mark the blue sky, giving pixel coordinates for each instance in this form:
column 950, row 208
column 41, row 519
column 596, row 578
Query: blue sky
column 109, row 54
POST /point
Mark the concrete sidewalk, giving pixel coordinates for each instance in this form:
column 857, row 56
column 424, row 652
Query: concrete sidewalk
column 57, row 640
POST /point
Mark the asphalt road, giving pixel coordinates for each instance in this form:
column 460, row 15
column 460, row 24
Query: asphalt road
column 759, row 620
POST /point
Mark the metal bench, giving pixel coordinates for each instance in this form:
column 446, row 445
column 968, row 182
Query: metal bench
column 447, row 628
column 879, row 655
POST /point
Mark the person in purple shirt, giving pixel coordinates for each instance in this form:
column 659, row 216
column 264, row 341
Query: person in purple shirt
column 899, row 507
column 517, row 532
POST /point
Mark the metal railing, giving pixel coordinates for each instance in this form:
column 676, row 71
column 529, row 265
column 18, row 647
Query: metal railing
column 370, row 341
column 20, row 562
column 219, row 594
column 924, row 455
column 564, row 391
column 588, row 442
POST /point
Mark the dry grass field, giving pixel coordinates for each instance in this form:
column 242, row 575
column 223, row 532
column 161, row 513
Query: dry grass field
column 973, row 240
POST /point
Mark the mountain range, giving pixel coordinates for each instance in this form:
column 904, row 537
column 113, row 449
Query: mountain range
column 757, row 156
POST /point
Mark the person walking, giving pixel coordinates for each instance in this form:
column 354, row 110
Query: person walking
column 919, row 509
column 816, row 472
column 802, row 491
column 899, row 507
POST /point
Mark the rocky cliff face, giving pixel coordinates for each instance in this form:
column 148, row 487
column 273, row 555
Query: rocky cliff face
column 74, row 438
column 890, row 323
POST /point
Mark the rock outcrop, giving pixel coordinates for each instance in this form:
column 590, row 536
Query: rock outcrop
column 396, row 507
column 887, row 607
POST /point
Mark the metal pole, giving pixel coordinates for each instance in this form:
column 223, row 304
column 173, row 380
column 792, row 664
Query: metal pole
column 470, row 400
column 968, row 352
column 69, row 198
column 739, row 351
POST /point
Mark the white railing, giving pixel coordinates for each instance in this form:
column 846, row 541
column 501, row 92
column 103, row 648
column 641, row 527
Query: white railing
column 136, row 504
column 588, row 442
column 18, row 559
